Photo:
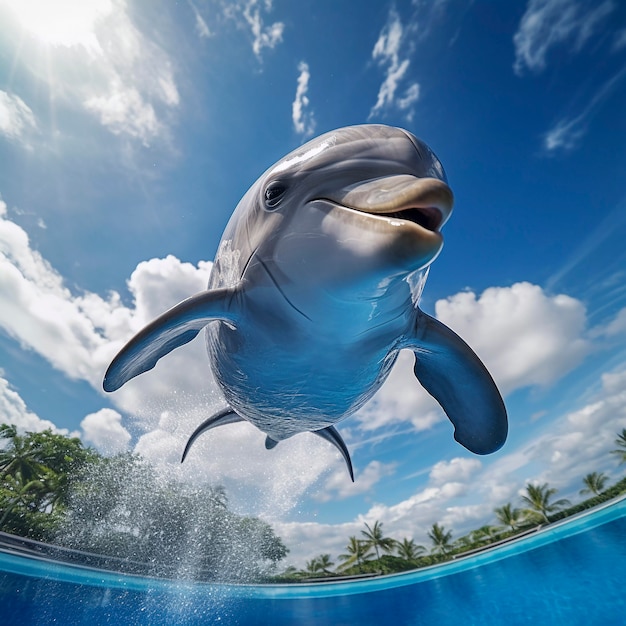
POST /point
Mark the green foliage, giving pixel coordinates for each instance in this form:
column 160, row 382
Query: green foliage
column 509, row 516
column 374, row 538
column 594, row 483
column 121, row 507
column 319, row 566
column 608, row 494
column 357, row 553
column 358, row 558
column 408, row 550
column 620, row 442
column 54, row 489
column 538, row 498
column 441, row 539
column 34, row 479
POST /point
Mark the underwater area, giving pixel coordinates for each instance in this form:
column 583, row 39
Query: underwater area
column 579, row 563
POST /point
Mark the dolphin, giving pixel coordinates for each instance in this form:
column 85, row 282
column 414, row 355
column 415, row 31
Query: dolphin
column 315, row 288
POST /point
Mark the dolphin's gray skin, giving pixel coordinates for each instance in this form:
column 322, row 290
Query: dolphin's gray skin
column 314, row 290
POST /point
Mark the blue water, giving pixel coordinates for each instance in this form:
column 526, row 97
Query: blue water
column 571, row 573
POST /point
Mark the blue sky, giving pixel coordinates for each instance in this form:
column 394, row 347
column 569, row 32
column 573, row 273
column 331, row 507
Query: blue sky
column 130, row 130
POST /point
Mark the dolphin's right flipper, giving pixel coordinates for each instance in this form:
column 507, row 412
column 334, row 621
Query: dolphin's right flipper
column 330, row 434
column 174, row 328
column 453, row 374
column 225, row 416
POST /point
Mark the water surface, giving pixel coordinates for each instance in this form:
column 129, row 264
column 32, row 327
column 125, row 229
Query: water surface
column 570, row 573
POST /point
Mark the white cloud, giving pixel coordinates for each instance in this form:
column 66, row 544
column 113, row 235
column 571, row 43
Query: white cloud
column 571, row 446
column 400, row 399
column 567, row 133
column 303, row 120
column 202, row 27
column 547, row 24
column 387, row 52
column 263, row 482
column 39, row 311
column 17, row 121
column 564, row 135
column 124, row 111
column 105, row 431
column 414, row 516
column 13, row 410
column 455, row 470
column 463, row 492
column 337, row 487
column 134, row 79
column 411, row 96
column 263, row 36
column 617, row 326
column 80, row 333
column 579, row 442
column 524, row 336
column 306, row 540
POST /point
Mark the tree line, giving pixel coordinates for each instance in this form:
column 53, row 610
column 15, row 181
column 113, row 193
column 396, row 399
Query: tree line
column 54, row 489
column 374, row 553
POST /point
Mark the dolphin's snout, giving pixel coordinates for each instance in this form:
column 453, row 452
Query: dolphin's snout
column 423, row 201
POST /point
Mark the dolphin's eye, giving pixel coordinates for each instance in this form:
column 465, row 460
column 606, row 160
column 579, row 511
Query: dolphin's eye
column 274, row 193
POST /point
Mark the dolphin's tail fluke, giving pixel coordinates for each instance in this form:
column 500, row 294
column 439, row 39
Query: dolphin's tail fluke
column 330, row 434
column 228, row 416
column 225, row 416
column 270, row 443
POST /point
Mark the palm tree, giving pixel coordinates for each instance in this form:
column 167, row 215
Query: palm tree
column 538, row 500
column 594, row 483
column 409, row 550
column 620, row 442
column 356, row 552
column 23, row 493
column 324, row 563
column 508, row 516
column 441, row 539
column 464, row 543
column 374, row 539
column 321, row 563
column 484, row 533
column 311, row 567
column 19, row 457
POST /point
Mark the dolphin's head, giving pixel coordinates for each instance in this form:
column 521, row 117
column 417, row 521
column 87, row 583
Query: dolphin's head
column 367, row 199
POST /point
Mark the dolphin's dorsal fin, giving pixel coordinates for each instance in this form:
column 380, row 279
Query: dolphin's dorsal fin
column 170, row 330
column 225, row 416
column 454, row 375
column 331, row 434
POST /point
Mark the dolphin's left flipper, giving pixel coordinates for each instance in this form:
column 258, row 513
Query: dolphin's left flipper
column 225, row 416
column 331, row 434
column 174, row 328
column 452, row 373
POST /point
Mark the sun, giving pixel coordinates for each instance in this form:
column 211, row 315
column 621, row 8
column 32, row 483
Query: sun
column 61, row 22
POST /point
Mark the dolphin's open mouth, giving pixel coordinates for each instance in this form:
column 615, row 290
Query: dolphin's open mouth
column 426, row 217
column 426, row 202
